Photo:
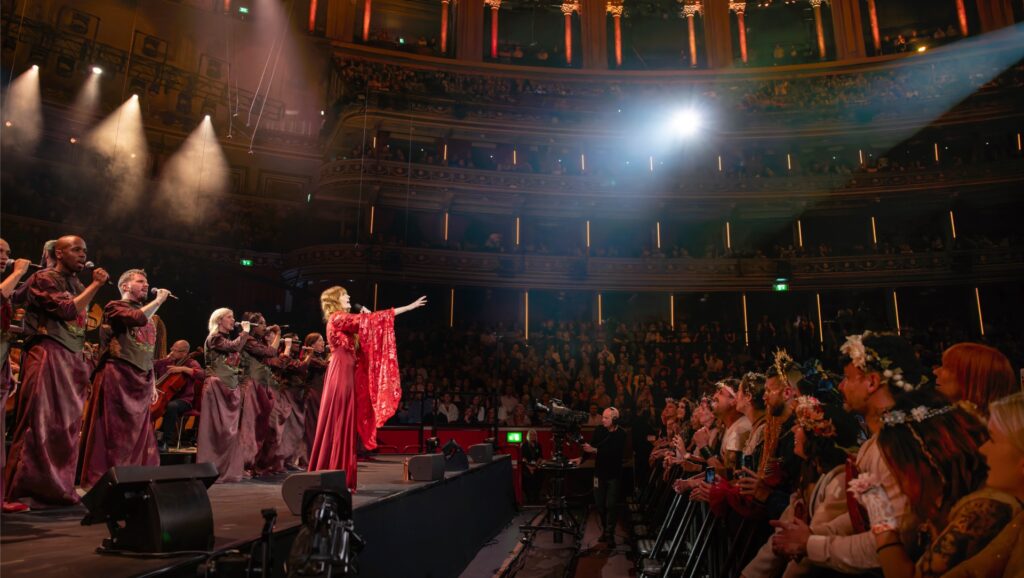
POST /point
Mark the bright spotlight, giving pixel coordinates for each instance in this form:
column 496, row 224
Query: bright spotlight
column 35, row 67
column 686, row 122
column 8, row 124
column 922, row 48
column 73, row 140
column 97, row 70
column 207, row 117
column 135, row 96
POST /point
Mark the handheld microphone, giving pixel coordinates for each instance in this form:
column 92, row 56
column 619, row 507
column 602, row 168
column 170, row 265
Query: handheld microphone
column 91, row 265
column 153, row 291
column 357, row 308
column 10, row 263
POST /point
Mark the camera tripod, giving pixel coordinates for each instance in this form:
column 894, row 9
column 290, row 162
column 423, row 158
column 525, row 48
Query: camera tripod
column 557, row 517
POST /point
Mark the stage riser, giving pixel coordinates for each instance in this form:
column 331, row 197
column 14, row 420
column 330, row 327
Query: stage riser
column 437, row 530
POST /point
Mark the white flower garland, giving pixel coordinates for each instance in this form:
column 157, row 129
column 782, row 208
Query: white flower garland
column 862, row 356
column 918, row 414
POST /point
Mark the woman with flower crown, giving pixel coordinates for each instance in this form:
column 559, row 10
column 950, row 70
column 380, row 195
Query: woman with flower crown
column 823, row 436
column 933, row 448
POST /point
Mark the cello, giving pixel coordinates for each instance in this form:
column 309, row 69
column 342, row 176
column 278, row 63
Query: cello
column 167, row 387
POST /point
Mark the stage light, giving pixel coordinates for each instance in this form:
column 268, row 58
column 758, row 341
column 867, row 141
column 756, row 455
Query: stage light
column 97, row 70
column 35, row 67
column 686, row 122
column 73, row 140
column 922, row 48
column 8, row 124
column 135, row 97
column 120, row 132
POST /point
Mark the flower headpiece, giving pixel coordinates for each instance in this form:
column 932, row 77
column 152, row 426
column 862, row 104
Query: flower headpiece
column 867, row 359
column 919, row 414
column 811, row 417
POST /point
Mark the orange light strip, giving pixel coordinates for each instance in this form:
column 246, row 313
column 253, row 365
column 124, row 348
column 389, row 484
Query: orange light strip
column 981, row 319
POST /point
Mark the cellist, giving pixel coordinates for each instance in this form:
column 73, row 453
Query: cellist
column 177, row 363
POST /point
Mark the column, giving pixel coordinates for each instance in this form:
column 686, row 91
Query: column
column 567, row 9
column 876, row 39
column 366, row 20
column 615, row 9
column 848, row 30
column 717, row 33
column 312, row 15
column 495, row 5
column 816, row 6
column 444, row 26
column 690, row 11
column 961, row 16
column 739, row 8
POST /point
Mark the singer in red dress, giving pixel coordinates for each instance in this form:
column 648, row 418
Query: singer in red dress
column 362, row 387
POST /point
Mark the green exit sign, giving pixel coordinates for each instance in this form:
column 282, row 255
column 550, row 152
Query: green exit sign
column 243, row 9
column 245, row 262
column 514, row 437
column 781, row 286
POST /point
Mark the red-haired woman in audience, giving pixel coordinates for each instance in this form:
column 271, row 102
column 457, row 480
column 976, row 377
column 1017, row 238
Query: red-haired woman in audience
column 975, row 373
column 932, row 449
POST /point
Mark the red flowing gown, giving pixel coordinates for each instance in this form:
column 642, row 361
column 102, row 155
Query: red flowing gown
column 361, row 389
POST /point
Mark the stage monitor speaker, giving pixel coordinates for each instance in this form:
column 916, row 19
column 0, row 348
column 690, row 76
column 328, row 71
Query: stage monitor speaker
column 455, row 459
column 481, row 453
column 424, row 468
column 154, row 509
column 296, row 485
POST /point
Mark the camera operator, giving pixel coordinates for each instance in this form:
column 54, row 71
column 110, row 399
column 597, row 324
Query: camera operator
column 609, row 445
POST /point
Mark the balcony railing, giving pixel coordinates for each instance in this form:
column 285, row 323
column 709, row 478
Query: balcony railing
column 338, row 179
column 653, row 274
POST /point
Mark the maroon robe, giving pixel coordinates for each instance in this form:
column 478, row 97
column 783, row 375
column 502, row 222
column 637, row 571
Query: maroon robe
column 293, row 385
column 261, row 408
column 358, row 396
column 55, row 376
column 6, row 377
column 219, row 440
column 118, row 429
column 311, row 401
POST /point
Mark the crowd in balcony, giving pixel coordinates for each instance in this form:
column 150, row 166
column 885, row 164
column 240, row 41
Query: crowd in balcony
column 727, row 165
column 909, row 86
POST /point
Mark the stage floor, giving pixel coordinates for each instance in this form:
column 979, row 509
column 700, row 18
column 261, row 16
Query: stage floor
column 46, row 543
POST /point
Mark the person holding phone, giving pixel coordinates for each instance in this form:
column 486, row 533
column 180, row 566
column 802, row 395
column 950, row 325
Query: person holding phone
column 608, row 445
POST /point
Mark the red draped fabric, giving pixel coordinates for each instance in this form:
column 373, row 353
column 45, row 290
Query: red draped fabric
column 361, row 389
